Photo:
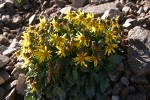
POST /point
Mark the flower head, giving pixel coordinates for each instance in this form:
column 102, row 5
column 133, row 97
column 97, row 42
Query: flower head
column 42, row 54
column 110, row 49
column 81, row 59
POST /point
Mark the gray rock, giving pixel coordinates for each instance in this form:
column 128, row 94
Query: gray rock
column 9, row 67
column 139, row 80
column 17, row 20
column 115, row 76
column 95, row 1
column 115, row 97
column 137, row 97
column 3, row 60
column 146, row 8
column 5, row 18
column 1, row 23
column 125, row 81
column 99, row 9
column 125, row 9
column 14, row 43
column 16, row 72
column 125, row 93
column 66, row 9
column 2, row 48
column 118, row 88
column 4, row 76
column 139, row 50
column 112, row 13
column 20, row 83
column 122, row 2
column 11, row 85
column 79, row 3
column 3, row 39
column 9, row 51
column 141, row 10
column 60, row 3
column 11, row 95
column 2, row 5
column 31, row 19
column 121, row 67
column 9, row 4
column 2, row 93
column 129, row 23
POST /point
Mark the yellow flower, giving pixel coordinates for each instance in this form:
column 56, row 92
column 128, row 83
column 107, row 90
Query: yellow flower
column 42, row 54
column 89, row 17
column 110, row 37
column 42, row 23
column 61, row 51
column 80, row 38
column 58, row 40
column 110, row 48
column 55, row 24
column 95, row 59
column 69, row 15
column 81, row 58
column 26, row 40
column 79, row 17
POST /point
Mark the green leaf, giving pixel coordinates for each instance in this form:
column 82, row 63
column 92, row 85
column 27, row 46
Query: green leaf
column 104, row 84
column 61, row 93
column 116, row 59
column 90, row 89
column 75, row 74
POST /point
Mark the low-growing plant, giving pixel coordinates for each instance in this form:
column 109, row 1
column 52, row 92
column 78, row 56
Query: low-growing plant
column 68, row 58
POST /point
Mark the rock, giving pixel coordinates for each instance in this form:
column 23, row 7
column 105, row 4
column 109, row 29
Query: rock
column 112, row 13
column 119, row 5
column 4, row 76
column 5, row 19
column 79, row 3
column 2, row 5
column 9, row 51
column 99, row 9
column 125, row 9
column 16, row 72
column 13, row 31
column 31, row 19
column 3, row 39
column 118, row 88
column 2, row 92
column 11, row 85
column 125, row 93
column 9, row 67
column 141, row 10
column 115, row 76
column 66, row 9
column 17, row 20
column 9, row 4
column 20, row 83
column 14, row 43
column 121, row 67
column 125, row 81
column 61, row 3
column 139, row 50
column 137, row 97
column 122, row 2
column 129, row 23
column 11, row 95
column 3, row 60
column 115, row 97
column 139, row 80
column 2, row 48
column 11, row 36
column 16, row 3
column 95, row 1
column 146, row 8
column 1, row 23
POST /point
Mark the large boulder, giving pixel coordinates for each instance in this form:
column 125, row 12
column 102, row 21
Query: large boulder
column 139, row 50
column 99, row 10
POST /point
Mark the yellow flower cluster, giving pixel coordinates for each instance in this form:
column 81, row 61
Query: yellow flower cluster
column 77, row 35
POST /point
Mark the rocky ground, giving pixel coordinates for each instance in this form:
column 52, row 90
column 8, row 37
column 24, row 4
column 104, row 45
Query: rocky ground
column 132, row 79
